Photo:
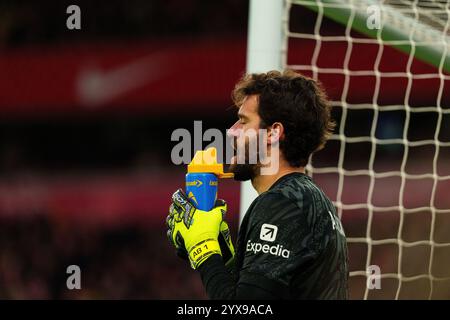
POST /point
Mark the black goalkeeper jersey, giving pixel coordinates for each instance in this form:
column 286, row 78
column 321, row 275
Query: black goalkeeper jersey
column 291, row 245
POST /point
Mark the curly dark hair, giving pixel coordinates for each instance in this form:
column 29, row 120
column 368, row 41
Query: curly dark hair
column 296, row 101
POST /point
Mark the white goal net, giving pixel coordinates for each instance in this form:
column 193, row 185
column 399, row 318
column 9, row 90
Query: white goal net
column 385, row 65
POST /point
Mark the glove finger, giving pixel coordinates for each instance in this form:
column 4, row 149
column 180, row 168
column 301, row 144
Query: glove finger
column 172, row 210
column 175, row 212
column 224, row 226
column 180, row 250
column 169, row 236
column 225, row 230
column 169, row 221
column 220, row 203
column 180, row 199
column 179, row 240
column 223, row 206
column 225, row 243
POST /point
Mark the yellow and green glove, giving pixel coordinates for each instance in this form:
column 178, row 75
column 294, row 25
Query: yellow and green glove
column 199, row 234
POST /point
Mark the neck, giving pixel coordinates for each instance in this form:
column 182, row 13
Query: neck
column 262, row 183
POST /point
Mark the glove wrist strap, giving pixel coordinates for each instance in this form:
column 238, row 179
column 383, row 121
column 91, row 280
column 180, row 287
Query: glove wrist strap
column 203, row 250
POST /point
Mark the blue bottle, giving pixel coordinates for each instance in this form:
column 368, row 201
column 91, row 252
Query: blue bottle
column 202, row 179
column 201, row 188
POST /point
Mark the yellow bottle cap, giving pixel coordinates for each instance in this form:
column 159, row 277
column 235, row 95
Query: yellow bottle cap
column 206, row 162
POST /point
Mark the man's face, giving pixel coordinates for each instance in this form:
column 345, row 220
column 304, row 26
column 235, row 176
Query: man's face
column 245, row 135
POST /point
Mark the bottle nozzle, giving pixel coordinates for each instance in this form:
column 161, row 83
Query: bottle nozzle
column 206, row 162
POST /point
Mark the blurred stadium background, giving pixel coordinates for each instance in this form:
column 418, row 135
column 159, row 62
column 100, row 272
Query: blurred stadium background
column 86, row 118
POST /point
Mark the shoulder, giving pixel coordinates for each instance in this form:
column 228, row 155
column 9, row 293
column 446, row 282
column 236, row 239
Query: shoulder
column 271, row 200
column 296, row 197
column 299, row 189
column 276, row 205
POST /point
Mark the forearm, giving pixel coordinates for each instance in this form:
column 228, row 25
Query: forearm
column 221, row 285
column 218, row 282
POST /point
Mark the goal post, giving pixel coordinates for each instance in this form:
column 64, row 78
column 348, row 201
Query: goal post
column 266, row 47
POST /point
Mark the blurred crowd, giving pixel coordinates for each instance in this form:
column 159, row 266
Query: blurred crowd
column 117, row 262
column 40, row 22
column 130, row 260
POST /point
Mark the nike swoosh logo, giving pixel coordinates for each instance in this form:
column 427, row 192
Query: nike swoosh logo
column 96, row 87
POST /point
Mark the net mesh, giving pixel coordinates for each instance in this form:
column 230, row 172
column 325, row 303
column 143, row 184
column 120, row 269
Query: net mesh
column 387, row 167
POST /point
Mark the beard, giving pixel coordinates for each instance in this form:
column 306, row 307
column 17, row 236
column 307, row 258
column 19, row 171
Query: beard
column 243, row 172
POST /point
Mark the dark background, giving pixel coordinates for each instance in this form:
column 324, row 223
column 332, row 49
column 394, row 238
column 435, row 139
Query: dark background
column 88, row 182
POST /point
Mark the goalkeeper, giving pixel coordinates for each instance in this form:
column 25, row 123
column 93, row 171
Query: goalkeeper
column 291, row 244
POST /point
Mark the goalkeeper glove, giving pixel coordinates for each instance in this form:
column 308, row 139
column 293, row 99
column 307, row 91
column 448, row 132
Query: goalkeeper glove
column 225, row 243
column 198, row 234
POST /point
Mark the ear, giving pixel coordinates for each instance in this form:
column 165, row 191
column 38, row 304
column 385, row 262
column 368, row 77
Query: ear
column 275, row 133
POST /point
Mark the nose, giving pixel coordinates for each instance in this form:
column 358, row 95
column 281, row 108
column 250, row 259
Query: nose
column 234, row 130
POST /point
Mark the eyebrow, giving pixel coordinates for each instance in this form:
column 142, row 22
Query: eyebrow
column 241, row 115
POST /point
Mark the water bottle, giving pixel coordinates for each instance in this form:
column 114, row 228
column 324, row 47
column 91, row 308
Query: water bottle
column 202, row 179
